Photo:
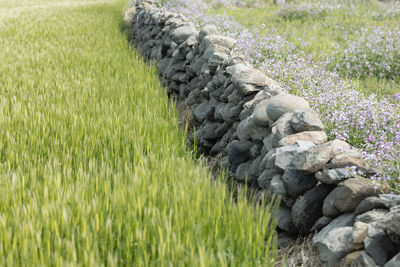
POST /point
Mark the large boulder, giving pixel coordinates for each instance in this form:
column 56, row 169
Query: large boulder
column 347, row 195
column 315, row 158
column 284, row 103
column 308, row 208
column 335, row 240
column 317, row 137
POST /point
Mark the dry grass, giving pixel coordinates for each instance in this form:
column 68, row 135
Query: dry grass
column 300, row 253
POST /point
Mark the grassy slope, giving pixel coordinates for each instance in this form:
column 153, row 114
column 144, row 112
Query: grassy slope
column 323, row 34
column 93, row 168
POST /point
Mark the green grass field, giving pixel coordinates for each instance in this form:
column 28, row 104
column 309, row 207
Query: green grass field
column 94, row 170
column 321, row 36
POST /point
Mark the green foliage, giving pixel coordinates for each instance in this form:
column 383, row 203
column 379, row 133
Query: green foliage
column 94, row 168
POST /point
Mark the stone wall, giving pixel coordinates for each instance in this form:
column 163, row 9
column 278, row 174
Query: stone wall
column 272, row 141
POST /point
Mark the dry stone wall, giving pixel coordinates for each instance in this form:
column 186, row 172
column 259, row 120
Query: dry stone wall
column 271, row 140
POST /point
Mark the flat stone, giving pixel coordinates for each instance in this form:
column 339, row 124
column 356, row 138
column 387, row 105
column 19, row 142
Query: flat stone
column 343, row 161
column 297, row 183
column 308, row 208
column 248, row 81
column 317, row 137
column 284, row 155
column 371, row 216
column 394, row 262
column 284, row 219
column 363, row 260
column 360, row 232
column 315, row 158
column 306, row 120
column 284, row 103
column 370, row 203
column 347, row 195
column 334, row 176
column 380, row 248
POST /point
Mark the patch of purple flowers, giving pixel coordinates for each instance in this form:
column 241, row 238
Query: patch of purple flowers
column 365, row 122
column 373, row 53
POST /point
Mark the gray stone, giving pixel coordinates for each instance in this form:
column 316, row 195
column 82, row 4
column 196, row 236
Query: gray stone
column 230, row 113
column 320, row 223
column 268, row 161
column 363, row 260
column 306, row 120
column 247, row 129
column 343, row 161
column 284, row 219
column 334, row 176
column 284, row 155
column 317, row 137
column 380, row 248
column 264, row 180
column 238, row 152
column 243, row 173
column 248, row 81
column 390, row 224
column 255, row 167
column 276, row 186
column 394, row 262
column 308, row 208
column 260, row 116
column 390, row 200
column 315, row 158
column 370, row 203
column 284, row 103
column 343, row 220
column 360, row 232
column 282, row 127
column 200, row 111
column 237, row 68
column 371, row 216
column 208, row 30
column 209, row 130
column 296, row 183
column 336, row 244
column 223, row 41
column 182, row 33
column 347, row 195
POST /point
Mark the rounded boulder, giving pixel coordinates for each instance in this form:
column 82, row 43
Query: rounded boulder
column 284, row 103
